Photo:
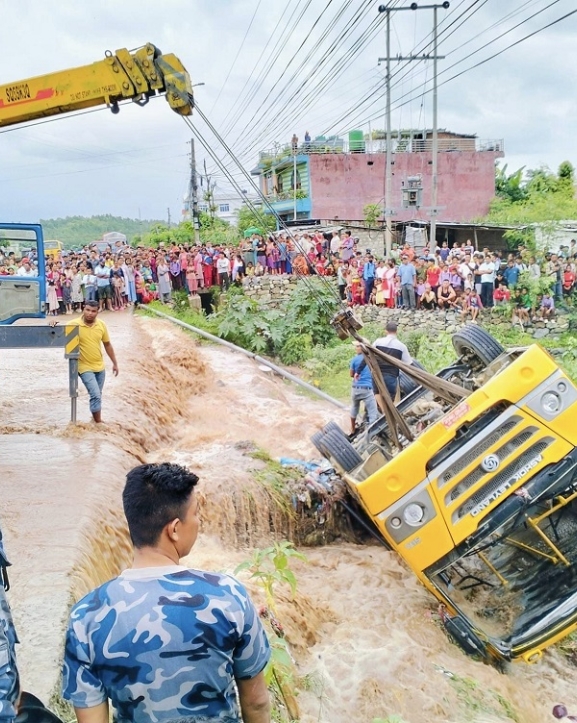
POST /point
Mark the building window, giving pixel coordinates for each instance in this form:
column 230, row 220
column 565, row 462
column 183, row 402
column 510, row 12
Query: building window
column 224, row 208
column 203, row 207
column 298, row 177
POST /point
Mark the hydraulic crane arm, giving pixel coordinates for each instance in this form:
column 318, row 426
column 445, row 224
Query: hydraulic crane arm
column 123, row 75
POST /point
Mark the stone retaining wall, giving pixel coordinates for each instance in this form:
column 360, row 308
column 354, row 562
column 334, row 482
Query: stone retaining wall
column 269, row 290
column 433, row 322
column 273, row 290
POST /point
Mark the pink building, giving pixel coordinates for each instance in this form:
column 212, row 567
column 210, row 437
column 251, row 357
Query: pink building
column 335, row 184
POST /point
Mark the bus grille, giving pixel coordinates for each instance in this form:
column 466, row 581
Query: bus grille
column 484, row 444
column 505, row 475
column 502, row 453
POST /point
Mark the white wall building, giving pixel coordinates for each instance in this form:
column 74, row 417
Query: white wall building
column 551, row 236
column 226, row 203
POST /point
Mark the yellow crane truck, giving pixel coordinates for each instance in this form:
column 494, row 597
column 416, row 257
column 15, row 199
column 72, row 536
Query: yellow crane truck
column 472, row 479
column 120, row 76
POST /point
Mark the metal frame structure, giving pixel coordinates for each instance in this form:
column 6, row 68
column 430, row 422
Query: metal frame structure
column 49, row 337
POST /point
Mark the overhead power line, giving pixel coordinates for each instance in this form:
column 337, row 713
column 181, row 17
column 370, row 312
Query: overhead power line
column 233, row 65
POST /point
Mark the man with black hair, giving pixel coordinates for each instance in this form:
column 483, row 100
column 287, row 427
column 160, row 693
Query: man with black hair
column 93, row 334
column 165, row 642
column 395, row 348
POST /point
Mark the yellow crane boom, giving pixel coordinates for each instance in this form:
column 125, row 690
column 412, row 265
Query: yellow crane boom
column 123, row 75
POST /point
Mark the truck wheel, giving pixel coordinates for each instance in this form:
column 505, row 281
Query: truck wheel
column 406, row 383
column 333, row 427
column 477, row 346
column 317, row 440
column 339, row 450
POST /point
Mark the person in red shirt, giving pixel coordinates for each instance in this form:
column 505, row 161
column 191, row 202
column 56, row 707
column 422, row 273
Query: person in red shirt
column 501, row 295
column 568, row 280
column 433, row 273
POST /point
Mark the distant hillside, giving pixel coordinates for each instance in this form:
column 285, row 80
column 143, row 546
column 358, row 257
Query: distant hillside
column 80, row 230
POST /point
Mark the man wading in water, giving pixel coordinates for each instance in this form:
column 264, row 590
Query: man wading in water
column 91, row 369
column 162, row 641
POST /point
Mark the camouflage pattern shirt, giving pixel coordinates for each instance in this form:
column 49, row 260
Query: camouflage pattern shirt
column 164, row 644
column 9, row 683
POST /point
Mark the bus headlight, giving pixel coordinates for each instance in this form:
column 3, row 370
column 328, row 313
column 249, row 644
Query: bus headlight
column 551, row 402
column 409, row 514
column 555, row 396
column 414, row 514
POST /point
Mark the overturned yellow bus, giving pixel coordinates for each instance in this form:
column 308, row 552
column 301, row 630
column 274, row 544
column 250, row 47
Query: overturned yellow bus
column 482, row 503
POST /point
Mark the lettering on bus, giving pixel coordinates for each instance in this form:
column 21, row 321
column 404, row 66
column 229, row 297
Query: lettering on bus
column 501, row 489
column 18, row 92
column 457, row 413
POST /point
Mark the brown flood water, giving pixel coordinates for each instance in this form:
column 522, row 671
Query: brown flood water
column 361, row 629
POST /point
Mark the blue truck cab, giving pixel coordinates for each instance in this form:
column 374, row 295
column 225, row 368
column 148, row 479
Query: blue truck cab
column 22, row 290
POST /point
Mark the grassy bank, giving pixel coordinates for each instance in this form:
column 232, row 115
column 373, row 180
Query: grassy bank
column 288, row 341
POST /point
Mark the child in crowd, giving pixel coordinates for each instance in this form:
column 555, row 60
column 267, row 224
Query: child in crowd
column 118, row 292
column 546, row 306
column 501, row 295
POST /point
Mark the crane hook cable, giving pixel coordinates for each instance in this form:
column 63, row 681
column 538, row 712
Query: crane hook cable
column 306, row 279
column 248, row 177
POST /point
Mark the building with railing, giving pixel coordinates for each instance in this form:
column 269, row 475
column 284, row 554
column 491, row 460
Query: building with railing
column 220, row 202
column 334, row 179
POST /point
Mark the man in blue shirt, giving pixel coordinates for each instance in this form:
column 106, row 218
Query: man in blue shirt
column 407, row 276
column 102, row 273
column 362, row 390
column 164, row 642
column 511, row 274
column 369, row 270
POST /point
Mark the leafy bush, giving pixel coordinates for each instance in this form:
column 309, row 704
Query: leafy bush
column 535, row 287
column 289, row 332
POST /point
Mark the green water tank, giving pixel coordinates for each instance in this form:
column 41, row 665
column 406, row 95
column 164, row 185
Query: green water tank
column 356, row 142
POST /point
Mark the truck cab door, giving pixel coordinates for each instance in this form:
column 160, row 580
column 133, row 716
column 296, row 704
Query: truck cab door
column 22, row 272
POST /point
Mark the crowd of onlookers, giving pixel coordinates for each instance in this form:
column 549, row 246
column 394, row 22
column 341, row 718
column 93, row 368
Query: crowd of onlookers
column 125, row 276
column 461, row 278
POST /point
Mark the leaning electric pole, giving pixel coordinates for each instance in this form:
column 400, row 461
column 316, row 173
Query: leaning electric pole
column 193, row 195
column 435, row 150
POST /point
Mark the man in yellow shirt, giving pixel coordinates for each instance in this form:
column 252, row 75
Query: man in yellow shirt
column 91, row 369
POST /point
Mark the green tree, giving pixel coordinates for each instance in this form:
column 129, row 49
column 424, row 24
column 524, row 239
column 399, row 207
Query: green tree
column 566, row 175
column 509, row 187
column 544, row 198
column 371, row 212
column 75, row 231
column 247, row 218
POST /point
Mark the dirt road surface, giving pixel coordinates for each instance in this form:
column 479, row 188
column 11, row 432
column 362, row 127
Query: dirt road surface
column 362, row 631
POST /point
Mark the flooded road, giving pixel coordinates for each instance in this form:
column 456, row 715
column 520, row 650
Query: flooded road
column 363, row 632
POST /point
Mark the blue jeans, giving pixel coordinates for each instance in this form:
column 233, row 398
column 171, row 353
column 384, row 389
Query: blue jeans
column 94, row 381
column 366, row 395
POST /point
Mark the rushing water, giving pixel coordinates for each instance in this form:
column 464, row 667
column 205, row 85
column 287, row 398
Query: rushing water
column 363, row 632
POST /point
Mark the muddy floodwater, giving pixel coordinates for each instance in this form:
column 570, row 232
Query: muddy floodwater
column 363, row 633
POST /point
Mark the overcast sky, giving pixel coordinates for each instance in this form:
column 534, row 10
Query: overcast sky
column 271, row 68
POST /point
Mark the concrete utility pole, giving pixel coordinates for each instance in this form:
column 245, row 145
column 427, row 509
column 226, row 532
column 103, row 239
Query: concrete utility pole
column 193, row 194
column 168, row 216
column 388, row 172
column 294, row 184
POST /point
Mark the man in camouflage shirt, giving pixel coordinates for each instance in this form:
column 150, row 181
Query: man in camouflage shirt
column 9, row 681
column 164, row 642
